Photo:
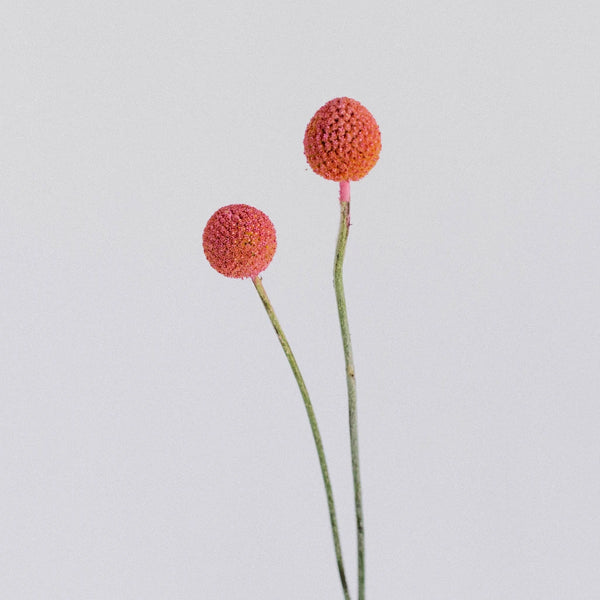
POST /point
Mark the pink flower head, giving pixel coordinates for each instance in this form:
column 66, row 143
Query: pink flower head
column 239, row 241
column 342, row 142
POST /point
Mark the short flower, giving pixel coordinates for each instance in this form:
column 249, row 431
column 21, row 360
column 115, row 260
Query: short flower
column 342, row 142
column 239, row 241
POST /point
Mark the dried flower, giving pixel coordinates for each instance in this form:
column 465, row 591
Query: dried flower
column 342, row 142
column 239, row 241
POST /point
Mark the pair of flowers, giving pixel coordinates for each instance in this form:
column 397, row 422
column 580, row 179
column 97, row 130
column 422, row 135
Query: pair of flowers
column 342, row 143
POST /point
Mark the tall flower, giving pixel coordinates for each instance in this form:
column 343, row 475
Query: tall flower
column 239, row 241
column 342, row 141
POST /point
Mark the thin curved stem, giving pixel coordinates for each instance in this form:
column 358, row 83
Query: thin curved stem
column 350, row 377
column 257, row 281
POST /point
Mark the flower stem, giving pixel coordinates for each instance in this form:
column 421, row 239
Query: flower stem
column 350, row 377
column 257, row 281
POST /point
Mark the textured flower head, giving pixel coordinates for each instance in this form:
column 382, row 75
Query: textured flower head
column 342, row 141
column 239, row 241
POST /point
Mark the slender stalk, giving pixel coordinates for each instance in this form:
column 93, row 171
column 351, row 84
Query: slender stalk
column 257, row 281
column 350, row 377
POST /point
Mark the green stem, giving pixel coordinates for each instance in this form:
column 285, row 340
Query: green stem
column 350, row 377
column 257, row 281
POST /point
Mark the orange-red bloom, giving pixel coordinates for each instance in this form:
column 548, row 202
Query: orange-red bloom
column 342, row 142
column 239, row 241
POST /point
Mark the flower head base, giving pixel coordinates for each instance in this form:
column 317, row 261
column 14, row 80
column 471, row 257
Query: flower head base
column 342, row 142
column 239, row 241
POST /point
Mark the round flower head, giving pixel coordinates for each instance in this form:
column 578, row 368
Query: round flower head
column 342, row 141
column 239, row 241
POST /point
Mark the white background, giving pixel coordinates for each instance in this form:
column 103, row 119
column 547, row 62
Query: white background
column 153, row 443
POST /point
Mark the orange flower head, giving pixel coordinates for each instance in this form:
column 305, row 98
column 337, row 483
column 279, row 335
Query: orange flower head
column 342, row 142
column 239, row 241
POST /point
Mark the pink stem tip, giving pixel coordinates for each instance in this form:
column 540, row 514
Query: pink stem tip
column 344, row 191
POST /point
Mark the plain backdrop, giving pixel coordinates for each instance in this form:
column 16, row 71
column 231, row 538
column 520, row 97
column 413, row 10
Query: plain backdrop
column 153, row 442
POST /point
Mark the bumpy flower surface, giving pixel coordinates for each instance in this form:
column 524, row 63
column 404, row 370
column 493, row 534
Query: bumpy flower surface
column 342, row 142
column 239, row 241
